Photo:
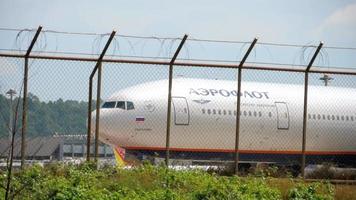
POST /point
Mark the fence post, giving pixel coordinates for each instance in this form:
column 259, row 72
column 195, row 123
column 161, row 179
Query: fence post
column 237, row 136
column 306, row 79
column 98, row 67
column 89, row 117
column 24, row 102
column 168, row 130
column 97, row 118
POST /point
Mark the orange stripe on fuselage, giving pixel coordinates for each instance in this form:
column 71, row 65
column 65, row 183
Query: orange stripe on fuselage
column 244, row 151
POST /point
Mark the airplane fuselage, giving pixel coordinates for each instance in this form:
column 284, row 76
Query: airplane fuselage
column 203, row 119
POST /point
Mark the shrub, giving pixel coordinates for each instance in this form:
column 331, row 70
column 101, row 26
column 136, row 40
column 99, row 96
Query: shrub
column 314, row 191
column 84, row 181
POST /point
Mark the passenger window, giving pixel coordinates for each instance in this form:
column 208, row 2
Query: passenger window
column 224, row 112
column 121, row 105
column 319, row 117
column 309, row 116
column 324, row 117
column 219, row 111
column 328, row 117
column 332, row 117
column 245, row 113
column 270, row 114
column 342, row 118
column 347, row 118
column 109, row 104
column 214, row 111
column 230, row 113
column 337, row 117
column 209, row 111
column 260, row 114
column 314, row 117
column 255, row 113
column 352, row 118
column 249, row 113
column 235, row 112
column 130, row 105
column 203, row 111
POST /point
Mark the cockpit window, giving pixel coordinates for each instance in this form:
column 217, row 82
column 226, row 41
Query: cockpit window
column 121, row 105
column 130, row 105
column 109, row 104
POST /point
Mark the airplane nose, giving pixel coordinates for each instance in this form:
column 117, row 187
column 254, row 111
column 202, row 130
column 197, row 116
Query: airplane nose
column 93, row 121
column 113, row 126
column 93, row 118
column 102, row 118
column 102, row 124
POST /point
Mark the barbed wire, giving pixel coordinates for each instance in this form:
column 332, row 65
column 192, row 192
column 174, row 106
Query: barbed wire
column 177, row 38
column 166, row 45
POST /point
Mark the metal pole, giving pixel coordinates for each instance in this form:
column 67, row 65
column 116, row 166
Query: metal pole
column 97, row 65
column 89, row 118
column 238, row 107
column 97, row 121
column 168, row 129
column 306, row 80
column 10, row 119
column 11, row 93
column 24, row 103
column 339, row 71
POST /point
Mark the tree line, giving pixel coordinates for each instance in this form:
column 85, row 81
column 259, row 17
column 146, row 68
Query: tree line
column 45, row 118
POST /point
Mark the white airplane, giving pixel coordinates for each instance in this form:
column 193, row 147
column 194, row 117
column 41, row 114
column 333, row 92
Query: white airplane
column 204, row 117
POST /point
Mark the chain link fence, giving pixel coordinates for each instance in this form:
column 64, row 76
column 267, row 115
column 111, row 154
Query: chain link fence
column 272, row 117
column 134, row 96
column 203, row 118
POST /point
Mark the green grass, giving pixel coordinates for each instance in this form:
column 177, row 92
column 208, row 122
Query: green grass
column 59, row 181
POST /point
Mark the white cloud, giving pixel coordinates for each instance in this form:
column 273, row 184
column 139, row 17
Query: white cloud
column 343, row 17
column 340, row 25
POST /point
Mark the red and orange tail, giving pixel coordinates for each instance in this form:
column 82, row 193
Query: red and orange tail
column 119, row 156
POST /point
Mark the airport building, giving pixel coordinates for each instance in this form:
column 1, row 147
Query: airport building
column 53, row 148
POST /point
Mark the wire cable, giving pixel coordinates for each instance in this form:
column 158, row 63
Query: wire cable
column 177, row 38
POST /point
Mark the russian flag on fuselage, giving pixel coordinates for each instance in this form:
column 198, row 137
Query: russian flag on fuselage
column 140, row 119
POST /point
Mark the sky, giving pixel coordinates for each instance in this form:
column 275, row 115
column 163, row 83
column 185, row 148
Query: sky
column 297, row 22
column 276, row 20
